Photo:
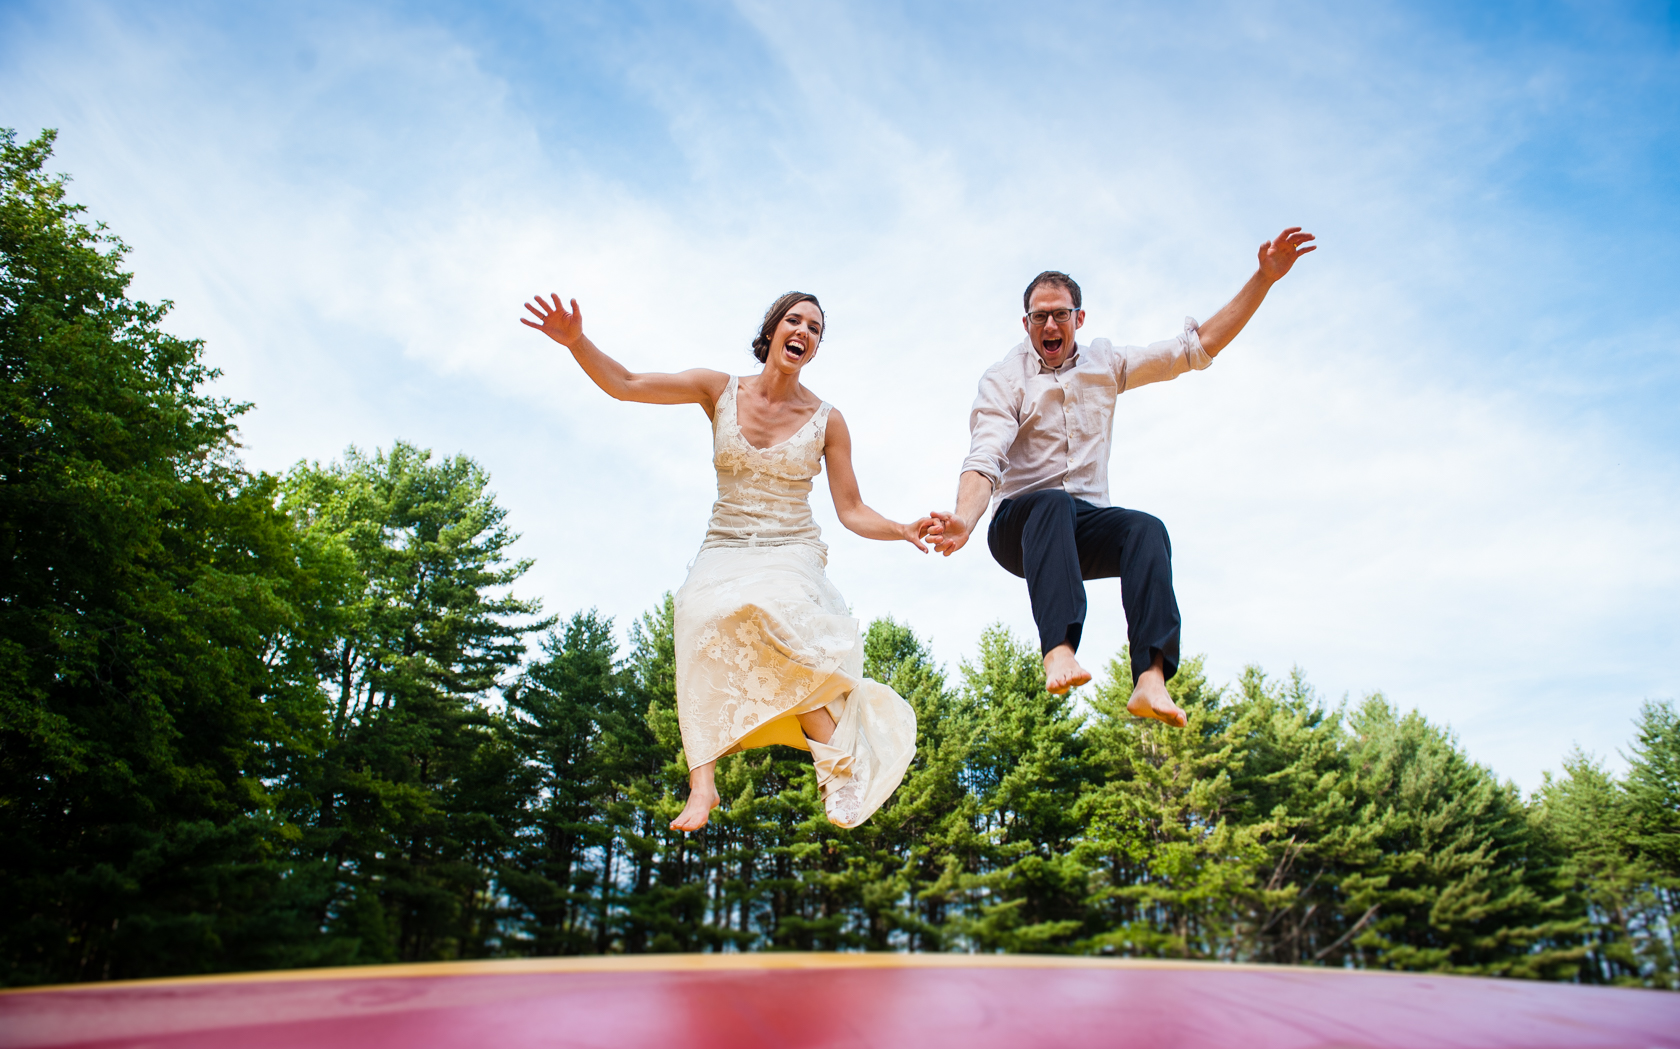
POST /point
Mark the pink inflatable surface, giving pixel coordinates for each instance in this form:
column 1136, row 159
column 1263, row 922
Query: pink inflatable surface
column 796, row 1000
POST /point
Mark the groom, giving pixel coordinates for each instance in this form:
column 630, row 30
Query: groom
column 1041, row 430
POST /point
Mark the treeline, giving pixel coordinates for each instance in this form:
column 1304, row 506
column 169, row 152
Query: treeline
column 250, row 721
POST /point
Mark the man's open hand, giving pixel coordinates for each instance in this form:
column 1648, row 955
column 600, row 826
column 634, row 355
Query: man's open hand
column 1276, row 256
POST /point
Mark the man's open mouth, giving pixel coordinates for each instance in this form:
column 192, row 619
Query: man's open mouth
column 1052, row 345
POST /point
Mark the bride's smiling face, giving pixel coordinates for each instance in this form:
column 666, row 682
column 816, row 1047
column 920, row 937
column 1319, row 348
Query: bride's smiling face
column 796, row 338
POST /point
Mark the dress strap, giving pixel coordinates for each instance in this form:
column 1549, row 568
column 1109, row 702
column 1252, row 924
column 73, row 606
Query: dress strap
column 727, row 399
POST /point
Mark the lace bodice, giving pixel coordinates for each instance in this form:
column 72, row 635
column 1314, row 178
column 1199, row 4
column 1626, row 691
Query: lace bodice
column 764, row 495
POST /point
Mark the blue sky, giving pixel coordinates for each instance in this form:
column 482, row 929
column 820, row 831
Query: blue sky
column 1443, row 462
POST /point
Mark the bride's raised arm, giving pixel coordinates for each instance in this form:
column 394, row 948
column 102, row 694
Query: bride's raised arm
column 701, row 386
column 854, row 513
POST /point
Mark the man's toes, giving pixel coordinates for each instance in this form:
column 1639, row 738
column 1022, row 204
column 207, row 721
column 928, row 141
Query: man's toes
column 1168, row 712
column 1062, row 683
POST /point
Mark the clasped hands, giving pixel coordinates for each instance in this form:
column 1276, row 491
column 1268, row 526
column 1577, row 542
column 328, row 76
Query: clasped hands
column 945, row 532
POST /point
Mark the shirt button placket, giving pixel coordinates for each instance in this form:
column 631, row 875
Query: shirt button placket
column 1067, row 428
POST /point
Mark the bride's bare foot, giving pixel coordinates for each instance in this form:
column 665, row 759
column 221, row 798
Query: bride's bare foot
column 1063, row 672
column 698, row 810
column 702, row 799
column 1150, row 699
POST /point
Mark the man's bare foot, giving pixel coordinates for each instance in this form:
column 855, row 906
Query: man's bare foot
column 1063, row 672
column 1150, row 699
column 698, row 810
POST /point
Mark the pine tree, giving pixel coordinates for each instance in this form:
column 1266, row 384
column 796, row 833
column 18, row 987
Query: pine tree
column 924, row 837
column 1582, row 823
column 1313, row 892
column 1172, row 860
column 1024, row 886
column 562, row 709
column 419, row 555
column 1459, row 895
column 1653, row 796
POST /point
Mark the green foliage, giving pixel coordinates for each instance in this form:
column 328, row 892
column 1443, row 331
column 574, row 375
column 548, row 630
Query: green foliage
column 1174, row 864
column 259, row 722
column 411, row 797
column 145, row 585
column 583, row 743
column 1611, row 849
column 1023, row 765
column 1583, row 821
column 1653, row 790
column 1458, row 894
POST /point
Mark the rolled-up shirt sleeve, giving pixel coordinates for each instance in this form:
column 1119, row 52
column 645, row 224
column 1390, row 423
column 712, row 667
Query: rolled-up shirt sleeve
column 992, row 426
column 1167, row 359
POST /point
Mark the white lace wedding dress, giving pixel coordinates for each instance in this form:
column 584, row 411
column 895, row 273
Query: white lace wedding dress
column 762, row 635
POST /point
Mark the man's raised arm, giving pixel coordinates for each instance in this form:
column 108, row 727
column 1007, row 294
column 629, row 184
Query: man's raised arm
column 1276, row 257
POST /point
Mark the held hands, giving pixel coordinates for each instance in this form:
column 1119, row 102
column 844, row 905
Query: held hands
column 564, row 328
column 914, row 532
column 947, row 532
column 1277, row 256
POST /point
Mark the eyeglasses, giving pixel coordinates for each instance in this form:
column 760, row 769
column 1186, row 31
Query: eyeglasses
column 1037, row 317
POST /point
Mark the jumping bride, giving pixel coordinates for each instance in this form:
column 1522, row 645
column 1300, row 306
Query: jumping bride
column 766, row 652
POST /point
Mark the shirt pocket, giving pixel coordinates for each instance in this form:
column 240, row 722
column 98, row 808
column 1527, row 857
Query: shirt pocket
column 1093, row 395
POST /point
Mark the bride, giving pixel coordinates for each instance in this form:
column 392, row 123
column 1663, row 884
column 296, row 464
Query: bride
column 766, row 652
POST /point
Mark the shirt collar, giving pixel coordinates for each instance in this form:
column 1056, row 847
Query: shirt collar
column 1067, row 365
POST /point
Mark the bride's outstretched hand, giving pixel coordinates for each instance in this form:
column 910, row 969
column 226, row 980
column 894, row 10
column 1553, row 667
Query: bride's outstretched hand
column 563, row 327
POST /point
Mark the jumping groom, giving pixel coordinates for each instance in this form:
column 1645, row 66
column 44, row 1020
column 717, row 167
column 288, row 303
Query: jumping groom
column 1041, row 430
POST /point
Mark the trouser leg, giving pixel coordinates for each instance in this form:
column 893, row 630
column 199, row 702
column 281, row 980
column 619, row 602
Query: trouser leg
column 1134, row 546
column 1033, row 537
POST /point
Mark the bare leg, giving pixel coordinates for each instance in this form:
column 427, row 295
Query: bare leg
column 1150, row 699
column 817, row 724
column 702, row 798
column 1063, row 672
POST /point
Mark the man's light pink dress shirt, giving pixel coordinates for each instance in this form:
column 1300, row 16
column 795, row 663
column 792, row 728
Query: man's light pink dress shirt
column 1034, row 427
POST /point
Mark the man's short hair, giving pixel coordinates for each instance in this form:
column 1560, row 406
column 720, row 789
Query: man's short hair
column 1056, row 279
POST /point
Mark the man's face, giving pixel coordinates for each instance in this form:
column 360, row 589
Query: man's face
column 1053, row 339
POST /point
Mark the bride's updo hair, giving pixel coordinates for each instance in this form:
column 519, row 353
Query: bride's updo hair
column 773, row 316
